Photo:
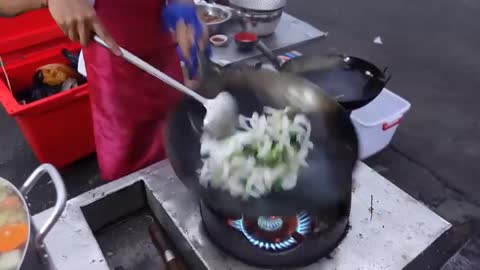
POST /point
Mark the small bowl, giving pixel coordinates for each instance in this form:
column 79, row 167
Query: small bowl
column 246, row 41
column 223, row 14
column 218, row 40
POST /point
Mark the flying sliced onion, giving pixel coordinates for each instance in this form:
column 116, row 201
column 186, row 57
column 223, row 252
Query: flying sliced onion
column 264, row 155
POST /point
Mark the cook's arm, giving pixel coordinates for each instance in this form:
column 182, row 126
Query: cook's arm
column 11, row 8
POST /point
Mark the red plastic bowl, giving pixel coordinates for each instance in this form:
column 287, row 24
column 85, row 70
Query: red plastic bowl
column 245, row 40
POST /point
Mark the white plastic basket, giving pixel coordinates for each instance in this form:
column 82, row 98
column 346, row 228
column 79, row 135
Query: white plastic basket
column 377, row 122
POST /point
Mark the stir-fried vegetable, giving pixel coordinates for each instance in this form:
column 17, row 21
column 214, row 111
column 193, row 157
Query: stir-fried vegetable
column 265, row 154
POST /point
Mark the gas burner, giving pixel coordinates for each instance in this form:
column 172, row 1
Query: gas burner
column 274, row 233
column 275, row 241
column 270, row 224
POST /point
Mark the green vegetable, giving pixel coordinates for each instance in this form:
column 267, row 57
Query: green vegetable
column 277, row 185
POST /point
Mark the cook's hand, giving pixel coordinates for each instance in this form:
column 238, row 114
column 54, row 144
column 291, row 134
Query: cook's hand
column 189, row 31
column 186, row 38
column 79, row 21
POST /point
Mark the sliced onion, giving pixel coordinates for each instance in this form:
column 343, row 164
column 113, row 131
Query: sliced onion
column 228, row 167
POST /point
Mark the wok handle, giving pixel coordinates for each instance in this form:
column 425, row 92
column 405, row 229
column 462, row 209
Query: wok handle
column 269, row 54
column 61, row 192
column 388, row 77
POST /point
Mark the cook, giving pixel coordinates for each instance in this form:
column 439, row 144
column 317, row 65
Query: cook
column 129, row 106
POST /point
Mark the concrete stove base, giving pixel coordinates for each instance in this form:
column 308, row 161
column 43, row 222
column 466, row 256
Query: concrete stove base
column 389, row 228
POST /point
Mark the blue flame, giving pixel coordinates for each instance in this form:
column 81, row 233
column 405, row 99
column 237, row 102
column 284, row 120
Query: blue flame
column 269, row 224
column 303, row 227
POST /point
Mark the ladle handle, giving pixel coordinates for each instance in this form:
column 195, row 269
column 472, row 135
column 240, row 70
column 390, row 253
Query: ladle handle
column 131, row 58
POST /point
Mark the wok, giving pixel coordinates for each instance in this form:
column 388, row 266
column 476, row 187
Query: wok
column 324, row 185
column 351, row 81
column 31, row 253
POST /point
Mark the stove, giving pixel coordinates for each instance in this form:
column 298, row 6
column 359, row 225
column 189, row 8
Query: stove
column 274, row 241
column 388, row 237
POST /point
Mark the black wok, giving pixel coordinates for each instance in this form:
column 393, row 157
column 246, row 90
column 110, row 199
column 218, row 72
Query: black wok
column 351, row 81
column 325, row 185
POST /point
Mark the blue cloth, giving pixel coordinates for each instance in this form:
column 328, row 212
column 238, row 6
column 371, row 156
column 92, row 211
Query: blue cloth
column 172, row 14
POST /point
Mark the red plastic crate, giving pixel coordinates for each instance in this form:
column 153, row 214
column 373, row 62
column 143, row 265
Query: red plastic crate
column 58, row 128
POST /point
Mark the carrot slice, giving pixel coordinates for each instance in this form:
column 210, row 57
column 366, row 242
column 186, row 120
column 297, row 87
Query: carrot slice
column 13, row 236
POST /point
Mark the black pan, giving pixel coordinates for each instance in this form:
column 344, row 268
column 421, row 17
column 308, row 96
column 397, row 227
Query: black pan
column 351, row 81
column 327, row 182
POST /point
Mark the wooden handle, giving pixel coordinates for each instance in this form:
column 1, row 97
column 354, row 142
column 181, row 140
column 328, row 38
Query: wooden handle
column 164, row 248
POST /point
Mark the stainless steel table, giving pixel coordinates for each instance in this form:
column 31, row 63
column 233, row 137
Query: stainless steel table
column 290, row 31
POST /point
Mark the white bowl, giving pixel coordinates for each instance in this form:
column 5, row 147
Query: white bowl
column 218, row 40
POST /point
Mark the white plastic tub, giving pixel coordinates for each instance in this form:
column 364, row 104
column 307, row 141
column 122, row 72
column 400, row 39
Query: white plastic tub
column 377, row 122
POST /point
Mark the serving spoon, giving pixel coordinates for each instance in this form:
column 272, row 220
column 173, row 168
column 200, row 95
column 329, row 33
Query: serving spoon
column 221, row 118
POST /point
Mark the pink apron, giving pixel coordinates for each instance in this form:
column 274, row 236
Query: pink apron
column 130, row 106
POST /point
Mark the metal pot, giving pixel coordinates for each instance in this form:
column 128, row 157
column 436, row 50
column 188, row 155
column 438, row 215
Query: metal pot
column 219, row 11
column 32, row 253
column 260, row 17
column 260, row 23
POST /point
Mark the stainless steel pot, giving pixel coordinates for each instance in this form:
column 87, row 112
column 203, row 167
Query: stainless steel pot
column 33, row 254
column 260, row 23
column 219, row 11
column 260, row 17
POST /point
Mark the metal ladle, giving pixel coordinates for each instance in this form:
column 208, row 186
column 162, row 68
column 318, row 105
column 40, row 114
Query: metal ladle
column 222, row 112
